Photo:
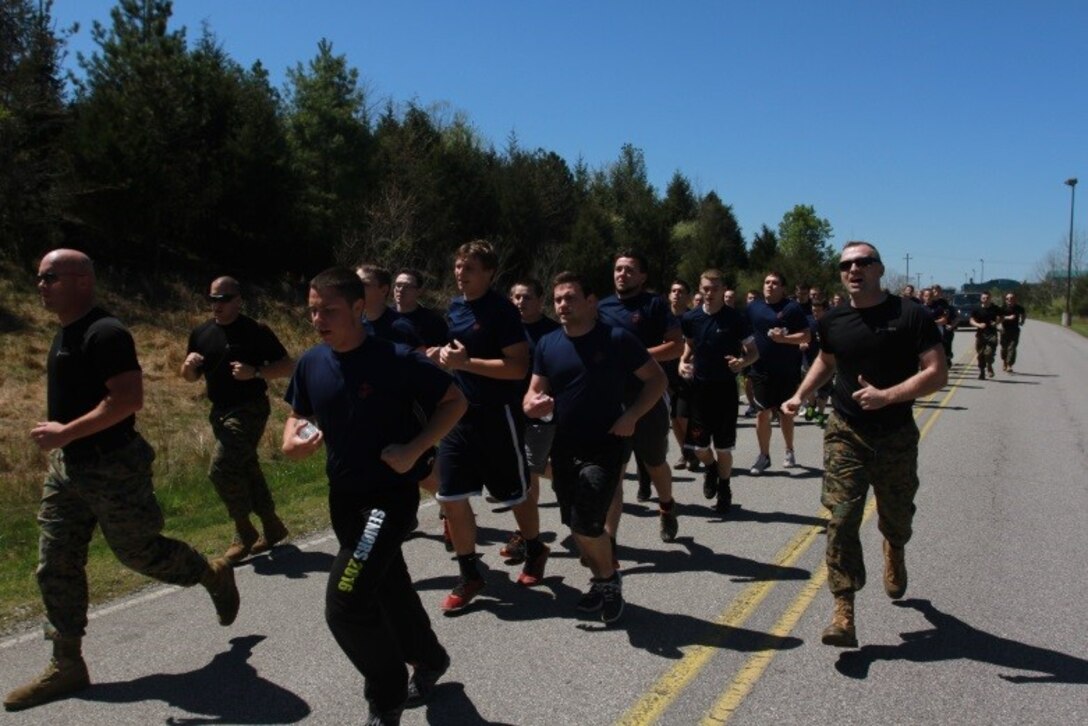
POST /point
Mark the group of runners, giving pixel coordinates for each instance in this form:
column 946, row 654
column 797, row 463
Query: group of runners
column 489, row 397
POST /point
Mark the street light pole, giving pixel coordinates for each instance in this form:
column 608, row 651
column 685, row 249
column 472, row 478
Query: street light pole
column 981, row 270
column 1067, row 316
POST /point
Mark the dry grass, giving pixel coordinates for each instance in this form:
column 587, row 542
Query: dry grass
column 174, row 421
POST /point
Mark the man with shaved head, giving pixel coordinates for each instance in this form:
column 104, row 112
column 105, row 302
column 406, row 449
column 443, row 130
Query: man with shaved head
column 99, row 473
column 236, row 355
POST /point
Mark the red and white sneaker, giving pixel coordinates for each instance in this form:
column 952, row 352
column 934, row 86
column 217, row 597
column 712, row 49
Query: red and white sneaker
column 462, row 595
column 533, row 571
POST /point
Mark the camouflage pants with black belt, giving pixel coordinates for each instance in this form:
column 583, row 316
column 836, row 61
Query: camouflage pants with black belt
column 235, row 470
column 854, row 461
column 1009, row 341
column 115, row 492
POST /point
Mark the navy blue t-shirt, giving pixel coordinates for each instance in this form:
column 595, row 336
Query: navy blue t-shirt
column 429, row 325
column 535, row 331
column 586, row 377
column 712, row 338
column 776, row 358
column 485, row 326
column 395, row 327
column 645, row 314
column 363, row 400
column 813, row 351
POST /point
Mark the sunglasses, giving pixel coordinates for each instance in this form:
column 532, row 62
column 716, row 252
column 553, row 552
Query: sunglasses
column 222, row 297
column 861, row 262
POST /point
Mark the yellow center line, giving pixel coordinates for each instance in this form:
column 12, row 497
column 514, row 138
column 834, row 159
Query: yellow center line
column 752, row 670
column 649, row 708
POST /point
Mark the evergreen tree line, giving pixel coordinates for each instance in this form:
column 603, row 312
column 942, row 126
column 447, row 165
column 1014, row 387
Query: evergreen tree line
column 167, row 155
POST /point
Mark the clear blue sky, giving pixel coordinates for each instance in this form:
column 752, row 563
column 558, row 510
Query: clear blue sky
column 940, row 129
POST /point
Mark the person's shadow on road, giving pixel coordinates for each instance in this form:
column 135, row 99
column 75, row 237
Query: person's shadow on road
column 292, row 562
column 227, row 690
column 953, row 639
column 451, row 705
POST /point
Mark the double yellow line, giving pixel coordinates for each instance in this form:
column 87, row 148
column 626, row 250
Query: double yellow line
column 648, row 709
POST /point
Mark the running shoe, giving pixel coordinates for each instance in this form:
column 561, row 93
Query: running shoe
column 790, row 461
column 591, row 600
column 763, row 462
column 750, row 412
column 710, row 482
column 669, row 525
column 990, row 371
column 421, row 684
column 982, row 375
column 725, row 498
column 514, row 550
column 810, row 412
column 644, row 492
column 611, row 599
column 681, row 463
column 462, row 595
column 533, row 571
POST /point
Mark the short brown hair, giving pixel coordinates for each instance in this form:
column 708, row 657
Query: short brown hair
column 482, row 250
column 567, row 277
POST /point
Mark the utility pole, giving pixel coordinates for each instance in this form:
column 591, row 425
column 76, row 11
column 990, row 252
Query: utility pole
column 1067, row 316
column 908, row 266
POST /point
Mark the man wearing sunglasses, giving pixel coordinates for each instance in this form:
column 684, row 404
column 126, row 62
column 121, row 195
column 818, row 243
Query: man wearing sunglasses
column 884, row 352
column 236, row 355
column 99, row 475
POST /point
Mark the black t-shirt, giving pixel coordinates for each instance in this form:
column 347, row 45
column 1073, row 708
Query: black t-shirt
column 485, row 326
column 85, row 354
column 534, row 332
column 393, row 326
column 363, row 400
column 989, row 316
column 245, row 341
column 429, row 325
column 881, row 344
column 1012, row 326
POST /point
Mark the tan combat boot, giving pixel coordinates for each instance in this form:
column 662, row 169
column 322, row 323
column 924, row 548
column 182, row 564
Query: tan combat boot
column 66, row 673
column 275, row 531
column 245, row 538
column 841, row 632
column 895, row 571
column 218, row 580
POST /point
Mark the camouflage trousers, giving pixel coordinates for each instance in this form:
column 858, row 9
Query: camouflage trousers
column 1009, row 342
column 986, row 347
column 235, row 469
column 114, row 491
column 854, row 461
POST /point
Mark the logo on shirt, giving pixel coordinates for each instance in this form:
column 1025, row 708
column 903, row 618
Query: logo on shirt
column 636, row 317
column 365, row 389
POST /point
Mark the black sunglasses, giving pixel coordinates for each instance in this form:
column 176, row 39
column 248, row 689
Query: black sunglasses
column 861, row 262
column 222, row 297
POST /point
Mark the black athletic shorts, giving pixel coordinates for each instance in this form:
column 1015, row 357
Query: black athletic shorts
column 713, row 415
column 538, row 444
column 584, row 477
column 771, row 391
column 650, row 440
column 679, row 395
column 485, row 449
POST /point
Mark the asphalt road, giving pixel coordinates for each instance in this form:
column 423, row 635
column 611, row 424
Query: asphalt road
column 722, row 624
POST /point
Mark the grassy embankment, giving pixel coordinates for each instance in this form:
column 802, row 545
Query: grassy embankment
column 174, row 421
column 1080, row 325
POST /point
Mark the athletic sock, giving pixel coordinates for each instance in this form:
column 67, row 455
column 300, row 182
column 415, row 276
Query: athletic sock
column 533, row 547
column 469, row 569
column 666, row 506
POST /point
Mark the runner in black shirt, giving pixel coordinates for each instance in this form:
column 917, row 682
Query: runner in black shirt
column 679, row 305
column 884, row 353
column 985, row 321
column 1013, row 316
column 380, row 319
column 429, row 325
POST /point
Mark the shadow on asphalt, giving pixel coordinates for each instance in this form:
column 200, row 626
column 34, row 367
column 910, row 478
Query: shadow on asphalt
column 1007, row 381
column 451, row 705
column 953, row 639
column 292, row 563
column 700, row 558
column 227, row 690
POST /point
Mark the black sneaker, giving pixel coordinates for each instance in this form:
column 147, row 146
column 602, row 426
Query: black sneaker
column 644, row 492
column 725, row 497
column 611, row 599
column 710, row 482
column 389, row 717
column 669, row 525
column 591, row 600
column 421, row 684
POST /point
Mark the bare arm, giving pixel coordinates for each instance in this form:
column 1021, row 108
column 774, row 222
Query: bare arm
column 653, row 388
column 450, row 408
column 513, row 365
column 670, row 348
column 819, row 373
column 931, row 376
column 537, row 402
column 124, row 397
